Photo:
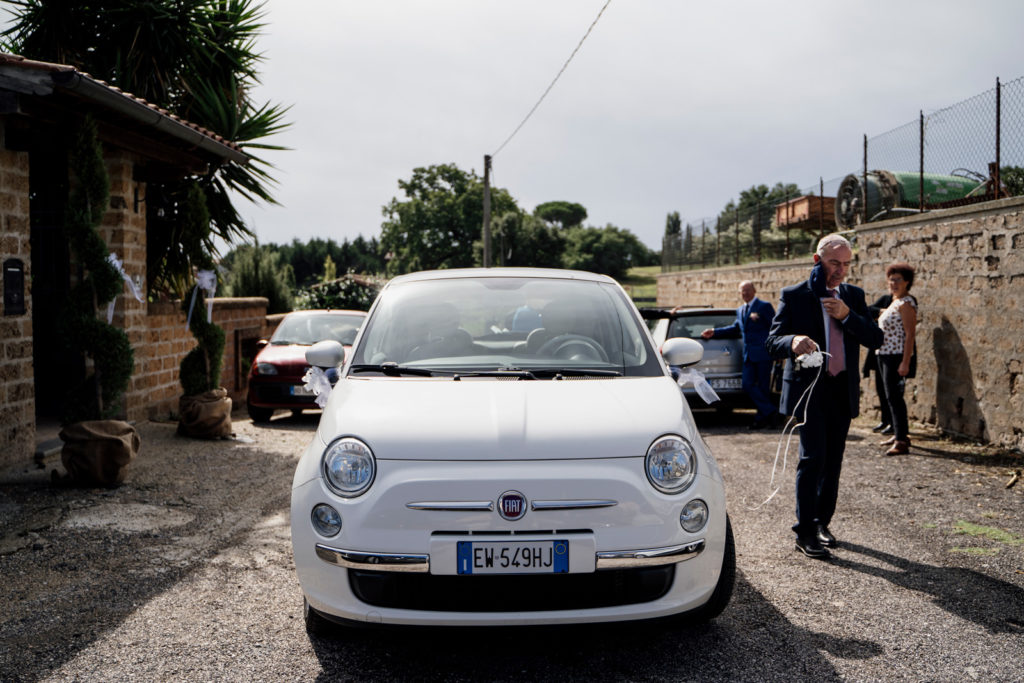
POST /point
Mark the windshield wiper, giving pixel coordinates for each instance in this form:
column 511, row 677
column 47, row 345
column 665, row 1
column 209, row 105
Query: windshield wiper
column 392, row 369
column 510, row 372
column 559, row 373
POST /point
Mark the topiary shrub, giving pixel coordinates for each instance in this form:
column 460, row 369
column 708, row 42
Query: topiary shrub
column 204, row 409
column 99, row 392
column 200, row 369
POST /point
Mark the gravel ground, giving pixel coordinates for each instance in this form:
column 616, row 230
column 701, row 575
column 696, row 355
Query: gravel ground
column 185, row 573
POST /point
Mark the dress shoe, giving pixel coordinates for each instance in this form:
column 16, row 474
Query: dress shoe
column 891, row 439
column 887, row 429
column 811, row 547
column 826, row 538
column 899, row 448
column 880, row 426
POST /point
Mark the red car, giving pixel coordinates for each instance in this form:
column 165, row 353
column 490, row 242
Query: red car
column 275, row 378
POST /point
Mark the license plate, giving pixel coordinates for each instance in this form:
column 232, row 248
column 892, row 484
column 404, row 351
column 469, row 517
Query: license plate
column 300, row 390
column 727, row 383
column 520, row 557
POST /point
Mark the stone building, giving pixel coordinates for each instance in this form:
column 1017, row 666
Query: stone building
column 40, row 103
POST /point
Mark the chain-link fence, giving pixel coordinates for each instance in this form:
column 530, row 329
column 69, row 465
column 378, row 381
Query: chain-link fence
column 969, row 152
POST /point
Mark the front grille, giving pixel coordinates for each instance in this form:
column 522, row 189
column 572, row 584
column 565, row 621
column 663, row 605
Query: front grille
column 531, row 593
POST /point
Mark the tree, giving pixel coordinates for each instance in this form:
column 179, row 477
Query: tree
column 565, row 214
column 525, row 240
column 688, row 243
column 258, row 271
column 1012, row 180
column 194, row 58
column 673, row 225
column 438, row 223
column 672, row 243
column 609, row 250
column 330, row 270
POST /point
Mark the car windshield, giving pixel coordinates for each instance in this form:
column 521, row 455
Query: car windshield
column 528, row 327
column 691, row 326
column 309, row 328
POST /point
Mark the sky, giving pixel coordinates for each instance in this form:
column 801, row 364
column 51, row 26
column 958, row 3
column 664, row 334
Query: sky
column 669, row 105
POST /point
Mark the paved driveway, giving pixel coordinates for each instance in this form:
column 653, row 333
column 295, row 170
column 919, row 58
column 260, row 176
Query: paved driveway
column 185, row 573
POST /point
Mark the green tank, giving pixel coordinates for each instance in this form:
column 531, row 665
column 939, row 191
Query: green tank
column 893, row 193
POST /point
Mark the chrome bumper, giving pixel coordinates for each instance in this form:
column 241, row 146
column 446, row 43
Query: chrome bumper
column 398, row 562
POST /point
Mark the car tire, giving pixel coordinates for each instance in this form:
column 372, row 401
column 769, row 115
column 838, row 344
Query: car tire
column 723, row 589
column 261, row 415
column 316, row 625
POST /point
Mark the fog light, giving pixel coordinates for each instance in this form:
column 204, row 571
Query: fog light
column 326, row 520
column 694, row 516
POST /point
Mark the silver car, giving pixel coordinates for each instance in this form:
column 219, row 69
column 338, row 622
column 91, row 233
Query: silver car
column 722, row 364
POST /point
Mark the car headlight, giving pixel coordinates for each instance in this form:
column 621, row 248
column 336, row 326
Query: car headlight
column 266, row 369
column 671, row 464
column 348, row 467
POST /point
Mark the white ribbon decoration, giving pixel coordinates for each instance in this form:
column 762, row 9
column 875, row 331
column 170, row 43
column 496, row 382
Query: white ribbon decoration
column 317, row 382
column 814, row 359
column 207, row 281
column 700, row 384
column 118, row 265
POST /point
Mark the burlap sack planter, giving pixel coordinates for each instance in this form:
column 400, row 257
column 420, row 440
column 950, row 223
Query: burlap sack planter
column 206, row 415
column 96, row 452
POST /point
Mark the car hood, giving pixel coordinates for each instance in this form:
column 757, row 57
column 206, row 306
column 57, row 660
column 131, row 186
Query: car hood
column 286, row 354
column 485, row 419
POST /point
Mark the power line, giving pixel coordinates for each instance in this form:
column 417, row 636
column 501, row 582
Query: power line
column 594, row 23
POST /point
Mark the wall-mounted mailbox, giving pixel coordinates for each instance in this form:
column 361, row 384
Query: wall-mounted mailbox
column 14, row 287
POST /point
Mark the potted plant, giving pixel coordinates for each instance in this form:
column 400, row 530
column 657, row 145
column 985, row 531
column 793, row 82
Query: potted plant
column 98, row 443
column 204, row 411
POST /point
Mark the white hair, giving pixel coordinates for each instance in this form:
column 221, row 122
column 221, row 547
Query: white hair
column 832, row 241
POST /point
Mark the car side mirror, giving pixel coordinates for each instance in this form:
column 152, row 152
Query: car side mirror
column 261, row 343
column 681, row 351
column 326, row 354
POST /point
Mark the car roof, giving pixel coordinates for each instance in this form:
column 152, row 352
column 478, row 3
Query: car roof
column 535, row 273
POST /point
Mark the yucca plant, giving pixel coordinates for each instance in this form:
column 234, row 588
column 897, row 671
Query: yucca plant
column 197, row 59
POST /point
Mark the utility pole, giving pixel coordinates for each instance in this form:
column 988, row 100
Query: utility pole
column 487, row 211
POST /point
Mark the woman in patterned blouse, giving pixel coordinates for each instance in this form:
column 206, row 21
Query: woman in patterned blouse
column 898, row 323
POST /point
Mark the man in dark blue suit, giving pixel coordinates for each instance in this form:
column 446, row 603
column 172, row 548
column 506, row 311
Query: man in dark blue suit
column 822, row 314
column 753, row 319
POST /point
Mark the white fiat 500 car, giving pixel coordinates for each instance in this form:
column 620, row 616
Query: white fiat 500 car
column 504, row 446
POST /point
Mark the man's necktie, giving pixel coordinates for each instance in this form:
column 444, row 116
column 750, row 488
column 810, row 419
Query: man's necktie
column 837, row 359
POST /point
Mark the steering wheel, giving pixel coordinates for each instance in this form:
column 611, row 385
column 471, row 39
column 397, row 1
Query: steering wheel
column 573, row 347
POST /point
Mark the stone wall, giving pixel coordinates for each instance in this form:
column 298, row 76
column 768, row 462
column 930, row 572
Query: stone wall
column 970, row 336
column 970, row 332
column 17, row 393
column 155, row 386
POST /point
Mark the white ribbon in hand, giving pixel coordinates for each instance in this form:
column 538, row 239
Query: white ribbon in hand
column 700, row 384
column 317, row 382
